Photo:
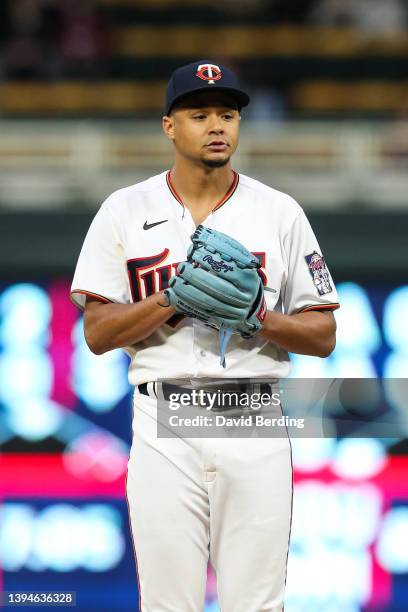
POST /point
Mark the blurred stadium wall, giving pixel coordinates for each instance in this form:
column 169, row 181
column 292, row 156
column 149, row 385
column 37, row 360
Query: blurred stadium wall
column 81, row 91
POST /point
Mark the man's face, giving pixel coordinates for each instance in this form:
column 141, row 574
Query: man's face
column 205, row 128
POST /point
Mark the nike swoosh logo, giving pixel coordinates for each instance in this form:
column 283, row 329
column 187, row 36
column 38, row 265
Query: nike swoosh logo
column 148, row 226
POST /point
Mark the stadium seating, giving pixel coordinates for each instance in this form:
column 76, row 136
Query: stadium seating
column 313, row 70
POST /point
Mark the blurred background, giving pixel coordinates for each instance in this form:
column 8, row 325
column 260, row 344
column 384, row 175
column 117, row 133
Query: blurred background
column 81, row 95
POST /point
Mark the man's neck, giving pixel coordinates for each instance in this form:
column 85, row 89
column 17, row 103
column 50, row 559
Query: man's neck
column 201, row 188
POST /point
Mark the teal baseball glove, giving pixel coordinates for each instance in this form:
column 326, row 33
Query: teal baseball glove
column 220, row 285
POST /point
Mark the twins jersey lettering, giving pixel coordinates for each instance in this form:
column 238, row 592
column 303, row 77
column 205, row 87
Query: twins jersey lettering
column 142, row 232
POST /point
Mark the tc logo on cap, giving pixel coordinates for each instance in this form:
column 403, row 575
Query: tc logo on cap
column 209, row 73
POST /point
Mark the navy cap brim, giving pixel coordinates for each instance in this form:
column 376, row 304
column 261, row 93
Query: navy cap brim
column 242, row 99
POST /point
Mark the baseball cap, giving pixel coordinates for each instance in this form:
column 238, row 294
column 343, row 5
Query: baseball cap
column 203, row 75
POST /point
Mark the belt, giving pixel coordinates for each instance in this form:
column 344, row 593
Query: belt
column 148, row 389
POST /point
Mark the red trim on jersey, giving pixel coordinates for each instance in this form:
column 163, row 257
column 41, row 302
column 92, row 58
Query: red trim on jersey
column 321, row 307
column 228, row 195
column 94, row 295
column 172, row 190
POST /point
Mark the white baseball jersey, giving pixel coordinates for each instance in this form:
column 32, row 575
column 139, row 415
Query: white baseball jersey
column 142, row 232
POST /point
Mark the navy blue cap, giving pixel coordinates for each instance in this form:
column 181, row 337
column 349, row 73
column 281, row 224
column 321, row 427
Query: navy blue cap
column 200, row 76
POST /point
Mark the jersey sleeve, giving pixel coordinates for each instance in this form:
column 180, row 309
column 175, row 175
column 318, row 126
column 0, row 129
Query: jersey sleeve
column 101, row 266
column 309, row 285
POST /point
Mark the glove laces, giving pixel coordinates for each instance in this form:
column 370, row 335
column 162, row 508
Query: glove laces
column 225, row 335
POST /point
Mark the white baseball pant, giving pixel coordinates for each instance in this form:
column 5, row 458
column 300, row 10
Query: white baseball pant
column 223, row 500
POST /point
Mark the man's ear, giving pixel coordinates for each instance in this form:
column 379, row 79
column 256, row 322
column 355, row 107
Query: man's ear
column 168, row 126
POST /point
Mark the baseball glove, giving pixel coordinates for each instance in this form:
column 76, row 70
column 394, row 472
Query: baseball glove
column 220, row 285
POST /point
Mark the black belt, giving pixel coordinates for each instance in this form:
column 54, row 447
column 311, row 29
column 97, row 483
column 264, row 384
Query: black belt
column 143, row 388
column 148, row 389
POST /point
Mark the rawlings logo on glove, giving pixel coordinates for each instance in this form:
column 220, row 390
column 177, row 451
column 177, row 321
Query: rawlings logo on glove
column 226, row 296
column 218, row 266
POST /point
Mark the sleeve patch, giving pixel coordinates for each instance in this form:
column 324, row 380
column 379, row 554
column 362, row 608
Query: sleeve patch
column 320, row 274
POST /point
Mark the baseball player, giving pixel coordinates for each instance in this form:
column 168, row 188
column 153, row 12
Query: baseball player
column 168, row 267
